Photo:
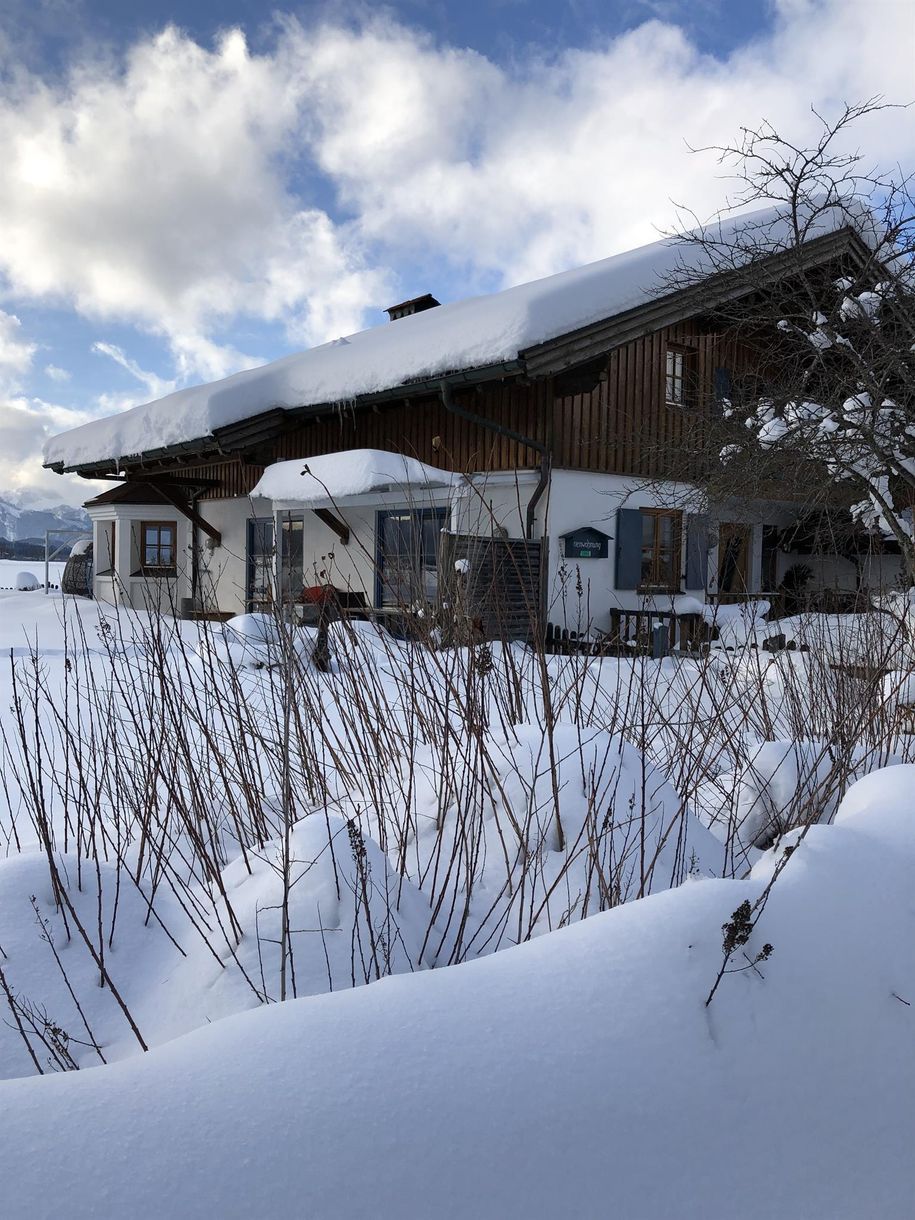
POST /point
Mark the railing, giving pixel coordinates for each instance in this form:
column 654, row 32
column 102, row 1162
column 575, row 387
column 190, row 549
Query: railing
column 641, row 632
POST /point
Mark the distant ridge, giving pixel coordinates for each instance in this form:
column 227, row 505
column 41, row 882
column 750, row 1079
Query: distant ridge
column 22, row 529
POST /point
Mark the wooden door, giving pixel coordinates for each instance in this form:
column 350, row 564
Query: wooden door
column 733, row 560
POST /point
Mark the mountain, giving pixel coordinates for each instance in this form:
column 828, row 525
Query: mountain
column 19, row 523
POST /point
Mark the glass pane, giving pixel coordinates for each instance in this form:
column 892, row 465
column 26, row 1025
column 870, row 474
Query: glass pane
column 399, row 560
column 260, row 564
column 667, row 569
column 292, row 558
column 152, row 535
column 165, row 556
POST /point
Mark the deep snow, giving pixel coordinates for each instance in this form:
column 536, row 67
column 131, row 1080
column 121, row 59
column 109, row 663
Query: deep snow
column 578, row 1075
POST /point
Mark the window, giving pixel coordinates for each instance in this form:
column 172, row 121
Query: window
column 106, row 553
column 678, row 377
column 662, row 531
column 158, row 550
column 259, row 564
column 408, row 549
column 292, row 557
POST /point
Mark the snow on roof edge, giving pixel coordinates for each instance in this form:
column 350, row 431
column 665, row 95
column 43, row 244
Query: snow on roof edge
column 351, row 472
column 473, row 333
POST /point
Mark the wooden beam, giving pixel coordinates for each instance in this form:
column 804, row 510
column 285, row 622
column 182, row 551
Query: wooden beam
column 186, row 510
column 340, row 528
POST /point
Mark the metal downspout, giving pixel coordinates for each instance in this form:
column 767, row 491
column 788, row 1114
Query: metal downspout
column 546, row 461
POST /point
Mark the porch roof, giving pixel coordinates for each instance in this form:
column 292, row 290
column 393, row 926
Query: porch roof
column 331, row 477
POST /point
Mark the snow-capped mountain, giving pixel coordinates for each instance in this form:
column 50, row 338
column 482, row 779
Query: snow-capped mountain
column 18, row 522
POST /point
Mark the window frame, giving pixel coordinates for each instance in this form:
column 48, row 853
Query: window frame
column 418, row 516
column 686, row 379
column 655, row 584
column 158, row 569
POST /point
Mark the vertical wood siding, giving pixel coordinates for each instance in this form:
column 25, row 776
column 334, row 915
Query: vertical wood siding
column 623, row 425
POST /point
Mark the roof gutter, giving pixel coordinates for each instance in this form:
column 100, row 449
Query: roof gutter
column 546, row 458
column 222, row 443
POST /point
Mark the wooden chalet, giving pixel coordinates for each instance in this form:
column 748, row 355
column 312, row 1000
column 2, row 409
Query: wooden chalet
column 570, row 440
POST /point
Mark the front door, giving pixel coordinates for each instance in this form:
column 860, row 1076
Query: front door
column 259, row 564
column 733, row 560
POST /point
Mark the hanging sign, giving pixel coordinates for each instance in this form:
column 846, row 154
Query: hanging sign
column 586, row 543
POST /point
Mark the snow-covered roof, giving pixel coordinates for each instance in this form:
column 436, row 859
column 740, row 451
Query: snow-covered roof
column 354, row 472
column 474, row 333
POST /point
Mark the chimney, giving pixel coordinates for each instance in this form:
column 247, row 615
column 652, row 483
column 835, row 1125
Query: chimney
column 416, row 305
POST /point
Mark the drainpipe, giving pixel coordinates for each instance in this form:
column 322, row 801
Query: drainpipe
column 481, row 421
column 195, row 566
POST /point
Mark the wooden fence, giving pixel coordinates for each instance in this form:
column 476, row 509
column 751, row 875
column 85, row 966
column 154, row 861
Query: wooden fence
column 497, row 584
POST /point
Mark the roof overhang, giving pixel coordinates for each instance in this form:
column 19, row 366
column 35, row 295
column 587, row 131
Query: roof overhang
column 549, row 358
column 578, row 347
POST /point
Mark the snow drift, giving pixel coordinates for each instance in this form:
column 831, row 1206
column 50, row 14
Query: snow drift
column 577, row 1075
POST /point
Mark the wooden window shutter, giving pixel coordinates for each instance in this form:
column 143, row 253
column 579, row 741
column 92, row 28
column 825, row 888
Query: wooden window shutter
column 697, row 549
column 628, row 548
column 722, row 384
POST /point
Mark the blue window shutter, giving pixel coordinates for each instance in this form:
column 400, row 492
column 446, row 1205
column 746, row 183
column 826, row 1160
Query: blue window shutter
column 722, row 384
column 697, row 549
column 628, row 548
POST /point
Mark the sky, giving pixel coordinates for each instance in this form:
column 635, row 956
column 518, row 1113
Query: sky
column 194, row 188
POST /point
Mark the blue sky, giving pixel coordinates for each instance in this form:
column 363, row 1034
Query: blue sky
column 192, row 188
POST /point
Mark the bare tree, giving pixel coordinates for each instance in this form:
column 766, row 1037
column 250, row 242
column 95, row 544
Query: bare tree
column 816, row 290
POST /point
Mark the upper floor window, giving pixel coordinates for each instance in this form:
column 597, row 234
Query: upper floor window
column 158, row 550
column 677, row 378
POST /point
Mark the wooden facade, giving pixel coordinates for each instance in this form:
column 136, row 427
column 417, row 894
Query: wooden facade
column 620, row 423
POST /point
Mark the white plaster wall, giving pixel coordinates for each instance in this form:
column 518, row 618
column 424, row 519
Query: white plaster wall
column 141, row 592
column 582, row 498
column 878, row 572
column 223, row 569
column 493, row 505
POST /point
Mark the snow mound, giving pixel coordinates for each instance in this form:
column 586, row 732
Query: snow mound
column 27, row 582
column 540, row 1082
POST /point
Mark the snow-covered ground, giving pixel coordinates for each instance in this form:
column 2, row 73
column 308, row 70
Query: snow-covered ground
column 578, row 1075
column 10, row 569
column 309, row 832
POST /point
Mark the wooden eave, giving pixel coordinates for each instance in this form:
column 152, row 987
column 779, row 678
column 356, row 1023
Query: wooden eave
column 538, row 361
column 579, row 346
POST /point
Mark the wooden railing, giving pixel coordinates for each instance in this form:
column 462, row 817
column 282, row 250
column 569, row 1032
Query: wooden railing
column 644, row 632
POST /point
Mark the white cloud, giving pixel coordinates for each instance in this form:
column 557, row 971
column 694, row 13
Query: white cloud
column 156, row 194
column 16, row 353
column 525, row 170
column 56, row 373
column 156, row 386
column 25, row 424
column 174, row 190
column 167, row 191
